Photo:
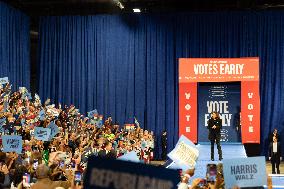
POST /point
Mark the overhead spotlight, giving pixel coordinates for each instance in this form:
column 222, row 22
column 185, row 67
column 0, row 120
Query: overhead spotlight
column 119, row 4
column 136, row 10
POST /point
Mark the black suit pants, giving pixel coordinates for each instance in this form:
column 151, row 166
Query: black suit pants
column 217, row 139
column 275, row 161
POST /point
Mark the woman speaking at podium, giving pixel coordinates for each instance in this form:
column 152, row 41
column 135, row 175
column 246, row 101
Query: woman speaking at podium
column 215, row 126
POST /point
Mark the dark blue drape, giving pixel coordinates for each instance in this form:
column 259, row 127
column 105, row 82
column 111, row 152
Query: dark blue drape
column 127, row 65
column 14, row 46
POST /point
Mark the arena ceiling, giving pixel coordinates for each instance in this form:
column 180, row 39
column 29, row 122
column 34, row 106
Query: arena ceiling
column 86, row 7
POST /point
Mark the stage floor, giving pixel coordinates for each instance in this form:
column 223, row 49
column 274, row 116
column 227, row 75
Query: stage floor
column 230, row 151
column 268, row 166
column 278, row 182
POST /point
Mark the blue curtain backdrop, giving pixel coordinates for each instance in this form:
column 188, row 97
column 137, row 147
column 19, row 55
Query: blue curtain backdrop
column 14, row 46
column 127, row 65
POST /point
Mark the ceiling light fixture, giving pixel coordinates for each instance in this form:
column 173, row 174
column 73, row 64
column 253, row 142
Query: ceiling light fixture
column 136, row 10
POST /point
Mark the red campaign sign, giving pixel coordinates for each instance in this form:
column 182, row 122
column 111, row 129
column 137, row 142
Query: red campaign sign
column 188, row 110
column 194, row 70
column 218, row 69
column 250, row 112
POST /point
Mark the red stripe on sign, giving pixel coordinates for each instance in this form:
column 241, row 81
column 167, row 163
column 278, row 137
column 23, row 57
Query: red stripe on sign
column 250, row 115
column 188, row 110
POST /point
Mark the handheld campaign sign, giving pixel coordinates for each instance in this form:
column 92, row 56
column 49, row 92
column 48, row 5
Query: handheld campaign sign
column 100, row 123
column 4, row 80
column 28, row 95
column 42, row 133
column 53, row 130
column 115, row 174
column 185, row 153
column 6, row 105
column 245, row 172
column 136, row 122
column 2, row 123
column 130, row 156
column 143, row 145
column 23, row 121
column 23, row 89
column 41, row 115
column 92, row 113
column 12, row 143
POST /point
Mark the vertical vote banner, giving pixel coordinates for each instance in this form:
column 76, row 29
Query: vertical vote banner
column 224, row 98
column 250, row 115
column 188, row 110
column 195, row 70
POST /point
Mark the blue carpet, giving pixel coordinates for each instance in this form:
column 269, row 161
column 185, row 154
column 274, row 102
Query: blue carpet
column 278, row 181
column 229, row 151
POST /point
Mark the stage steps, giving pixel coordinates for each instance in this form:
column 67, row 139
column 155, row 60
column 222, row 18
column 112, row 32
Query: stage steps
column 277, row 181
column 229, row 150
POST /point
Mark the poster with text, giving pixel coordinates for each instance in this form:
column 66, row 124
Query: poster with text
column 241, row 120
column 224, row 98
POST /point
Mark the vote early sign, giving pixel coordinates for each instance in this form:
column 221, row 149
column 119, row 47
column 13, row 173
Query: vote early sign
column 245, row 172
column 117, row 174
column 195, row 70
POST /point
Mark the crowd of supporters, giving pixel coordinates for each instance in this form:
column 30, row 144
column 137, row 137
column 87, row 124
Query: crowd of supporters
column 61, row 161
column 53, row 163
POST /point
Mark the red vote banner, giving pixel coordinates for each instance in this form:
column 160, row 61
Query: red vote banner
column 194, row 70
column 188, row 110
column 250, row 112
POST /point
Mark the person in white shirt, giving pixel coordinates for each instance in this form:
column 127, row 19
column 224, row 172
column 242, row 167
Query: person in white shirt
column 184, row 182
column 275, row 155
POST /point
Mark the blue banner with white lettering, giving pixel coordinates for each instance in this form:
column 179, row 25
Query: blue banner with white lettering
column 4, row 80
column 53, row 130
column 115, row 174
column 245, row 172
column 41, row 115
column 92, row 113
column 224, row 98
column 42, row 133
column 12, row 143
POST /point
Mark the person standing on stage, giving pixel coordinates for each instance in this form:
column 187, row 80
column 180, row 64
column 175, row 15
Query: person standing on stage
column 274, row 134
column 275, row 154
column 215, row 126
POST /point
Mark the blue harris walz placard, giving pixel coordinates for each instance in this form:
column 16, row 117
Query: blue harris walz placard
column 12, row 143
column 116, row 174
column 245, row 172
column 53, row 130
column 42, row 133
